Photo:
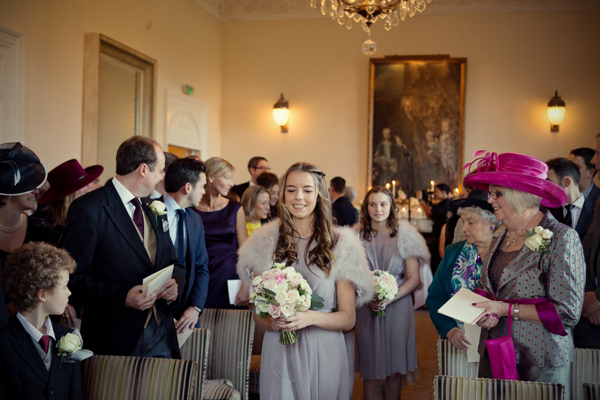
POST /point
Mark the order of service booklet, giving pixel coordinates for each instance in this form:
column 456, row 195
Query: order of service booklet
column 460, row 307
column 157, row 280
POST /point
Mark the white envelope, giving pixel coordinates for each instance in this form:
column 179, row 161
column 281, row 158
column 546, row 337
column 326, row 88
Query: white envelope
column 233, row 287
column 182, row 337
column 157, row 280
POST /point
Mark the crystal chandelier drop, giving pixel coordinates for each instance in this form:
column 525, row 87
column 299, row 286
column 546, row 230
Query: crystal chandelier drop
column 367, row 12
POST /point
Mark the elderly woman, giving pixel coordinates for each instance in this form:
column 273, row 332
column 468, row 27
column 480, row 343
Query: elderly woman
column 536, row 266
column 462, row 262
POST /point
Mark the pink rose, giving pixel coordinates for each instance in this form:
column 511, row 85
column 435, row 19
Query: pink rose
column 274, row 311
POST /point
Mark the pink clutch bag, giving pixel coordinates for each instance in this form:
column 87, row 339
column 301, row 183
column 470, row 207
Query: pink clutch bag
column 501, row 352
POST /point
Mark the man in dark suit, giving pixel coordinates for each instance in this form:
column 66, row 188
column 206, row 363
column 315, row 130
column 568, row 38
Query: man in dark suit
column 577, row 213
column 582, row 157
column 184, row 185
column 586, row 333
column 343, row 211
column 256, row 166
column 118, row 241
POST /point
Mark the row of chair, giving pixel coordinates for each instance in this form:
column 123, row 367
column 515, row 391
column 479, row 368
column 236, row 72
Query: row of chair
column 457, row 379
column 215, row 365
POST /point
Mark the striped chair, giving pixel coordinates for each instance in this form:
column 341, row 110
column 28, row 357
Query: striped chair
column 585, row 368
column 460, row 388
column 228, row 367
column 136, row 378
column 591, row 391
column 196, row 348
column 254, row 383
column 453, row 361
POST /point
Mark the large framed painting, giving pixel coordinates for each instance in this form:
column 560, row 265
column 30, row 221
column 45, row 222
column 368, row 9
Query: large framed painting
column 416, row 119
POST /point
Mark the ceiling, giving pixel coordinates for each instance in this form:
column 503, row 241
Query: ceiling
column 256, row 10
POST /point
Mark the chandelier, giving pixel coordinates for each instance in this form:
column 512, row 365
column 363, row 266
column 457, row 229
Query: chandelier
column 367, row 12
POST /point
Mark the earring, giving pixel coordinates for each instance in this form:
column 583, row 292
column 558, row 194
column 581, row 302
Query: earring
column 492, row 227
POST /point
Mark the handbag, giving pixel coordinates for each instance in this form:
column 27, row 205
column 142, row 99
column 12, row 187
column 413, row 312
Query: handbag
column 501, row 352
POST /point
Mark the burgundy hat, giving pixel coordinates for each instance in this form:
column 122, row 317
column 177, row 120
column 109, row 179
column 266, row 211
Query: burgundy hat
column 68, row 178
column 515, row 171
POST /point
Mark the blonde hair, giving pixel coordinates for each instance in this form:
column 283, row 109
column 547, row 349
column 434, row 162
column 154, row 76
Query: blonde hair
column 216, row 166
column 323, row 236
column 517, row 201
column 250, row 199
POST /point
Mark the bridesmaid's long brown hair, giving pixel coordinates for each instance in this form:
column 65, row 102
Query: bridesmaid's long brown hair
column 366, row 230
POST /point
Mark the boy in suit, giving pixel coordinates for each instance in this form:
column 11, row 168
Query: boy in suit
column 35, row 277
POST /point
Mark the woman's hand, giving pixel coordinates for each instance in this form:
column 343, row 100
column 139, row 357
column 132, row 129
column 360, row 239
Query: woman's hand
column 488, row 321
column 379, row 305
column 243, row 296
column 499, row 308
column 299, row 321
column 458, row 338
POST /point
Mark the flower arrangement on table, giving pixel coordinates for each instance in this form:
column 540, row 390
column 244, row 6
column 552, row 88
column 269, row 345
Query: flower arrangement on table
column 281, row 292
column 386, row 288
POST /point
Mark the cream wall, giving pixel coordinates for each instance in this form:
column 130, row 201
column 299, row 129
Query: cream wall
column 514, row 63
column 182, row 37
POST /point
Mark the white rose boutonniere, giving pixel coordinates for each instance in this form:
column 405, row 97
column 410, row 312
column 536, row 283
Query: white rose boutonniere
column 537, row 239
column 70, row 348
column 157, row 208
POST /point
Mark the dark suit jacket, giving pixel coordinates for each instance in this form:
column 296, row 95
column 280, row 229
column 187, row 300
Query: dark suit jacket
column 111, row 259
column 241, row 188
column 196, row 264
column 585, row 218
column 344, row 212
column 22, row 371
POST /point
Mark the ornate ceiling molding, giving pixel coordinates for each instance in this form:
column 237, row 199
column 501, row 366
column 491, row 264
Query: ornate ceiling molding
column 256, row 10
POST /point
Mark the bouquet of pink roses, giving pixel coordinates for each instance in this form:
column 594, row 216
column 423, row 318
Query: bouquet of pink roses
column 282, row 292
column 386, row 288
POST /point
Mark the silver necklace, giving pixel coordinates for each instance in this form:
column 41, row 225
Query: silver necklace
column 517, row 237
column 11, row 229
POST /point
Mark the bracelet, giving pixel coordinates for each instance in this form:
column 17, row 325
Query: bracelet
column 516, row 311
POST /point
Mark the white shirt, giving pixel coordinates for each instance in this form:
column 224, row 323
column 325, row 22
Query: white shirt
column 126, row 197
column 576, row 210
column 35, row 334
column 172, row 217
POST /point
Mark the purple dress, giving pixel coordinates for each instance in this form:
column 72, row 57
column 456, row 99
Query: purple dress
column 221, row 244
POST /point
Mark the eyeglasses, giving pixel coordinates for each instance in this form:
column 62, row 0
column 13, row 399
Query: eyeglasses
column 495, row 194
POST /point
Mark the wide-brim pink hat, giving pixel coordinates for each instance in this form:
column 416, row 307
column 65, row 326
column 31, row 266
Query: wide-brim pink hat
column 515, row 171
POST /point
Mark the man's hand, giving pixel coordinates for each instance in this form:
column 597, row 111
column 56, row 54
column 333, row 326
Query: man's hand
column 68, row 317
column 136, row 298
column 590, row 305
column 169, row 291
column 188, row 320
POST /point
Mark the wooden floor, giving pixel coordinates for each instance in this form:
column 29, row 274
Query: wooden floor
column 427, row 338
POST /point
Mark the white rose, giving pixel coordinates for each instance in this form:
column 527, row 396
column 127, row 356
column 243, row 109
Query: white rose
column 293, row 296
column 306, row 302
column 280, row 297
column 533, row 242
column 289, row 270
column 256, row 281
column 263, row 306
column 69, row 343
column 157, row 207
column 287, row 310
column 547, row 234
column 270, row 284
column 539, row 230
column 279, row 265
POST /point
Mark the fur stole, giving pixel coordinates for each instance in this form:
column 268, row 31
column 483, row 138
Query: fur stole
column 256, row 256
column 411, row 243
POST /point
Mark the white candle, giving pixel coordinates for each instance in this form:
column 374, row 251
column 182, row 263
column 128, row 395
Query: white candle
column 432, row 186
column 456, row 192
column 387, row 186
column 394, row 189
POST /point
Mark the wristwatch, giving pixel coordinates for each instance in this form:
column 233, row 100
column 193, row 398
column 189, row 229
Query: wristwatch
column 198, row 310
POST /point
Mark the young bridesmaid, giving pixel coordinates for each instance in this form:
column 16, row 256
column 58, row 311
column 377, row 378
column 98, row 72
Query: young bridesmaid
column 387, row 345
column 333, row 262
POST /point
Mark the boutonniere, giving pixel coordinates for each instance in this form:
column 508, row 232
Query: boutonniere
column 157, row 208
column 538, row 239
column 70, row 348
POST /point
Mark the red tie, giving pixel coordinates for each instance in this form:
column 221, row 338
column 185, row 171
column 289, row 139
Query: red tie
column 138, row 218
column 45, row 342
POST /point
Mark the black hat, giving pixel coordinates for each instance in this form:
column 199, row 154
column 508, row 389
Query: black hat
column 21, row 171
column 476, row 198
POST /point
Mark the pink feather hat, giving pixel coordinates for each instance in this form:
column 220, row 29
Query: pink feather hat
column 515, row 171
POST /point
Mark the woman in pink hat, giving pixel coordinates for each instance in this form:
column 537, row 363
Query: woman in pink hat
column 535, row 274
column 68, row 181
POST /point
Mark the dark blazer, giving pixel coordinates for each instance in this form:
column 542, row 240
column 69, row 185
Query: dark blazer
column 22, row 371
column 111, row 259
column 241, row 188
column 594, row 195
column 344, row 212
column 585, row 218
column 196, row 264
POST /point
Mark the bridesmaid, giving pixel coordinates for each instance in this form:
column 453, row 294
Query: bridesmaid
column 387, row 346
column 333, row 263
column 225, row 230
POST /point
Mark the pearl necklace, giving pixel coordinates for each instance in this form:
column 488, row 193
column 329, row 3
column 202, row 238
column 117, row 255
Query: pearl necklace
column 11, row 229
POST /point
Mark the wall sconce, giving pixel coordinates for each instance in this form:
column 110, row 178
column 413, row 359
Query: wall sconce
column 556, row 111
column 281, row 113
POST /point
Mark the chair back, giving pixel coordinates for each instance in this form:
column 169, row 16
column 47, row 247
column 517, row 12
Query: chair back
column 584, row 368
column 591, row 391
column 196, row 348
column 453, row 361
column 232, row 333
column 461, row 387
column 132, row 378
